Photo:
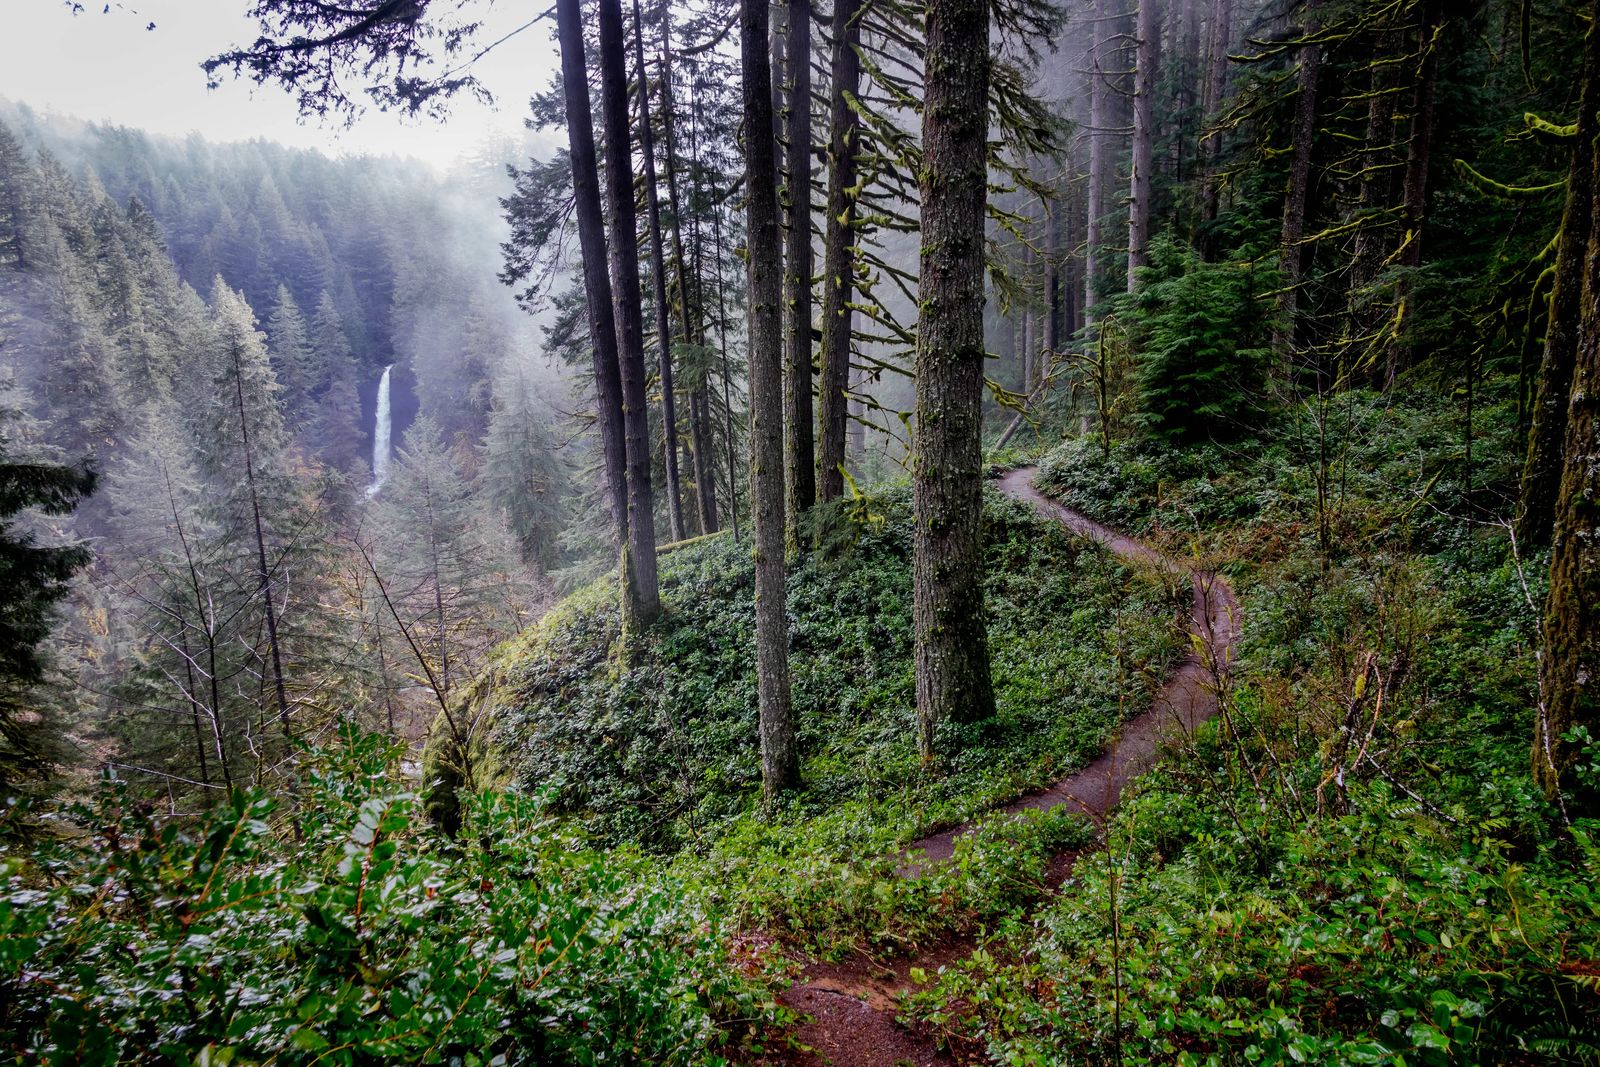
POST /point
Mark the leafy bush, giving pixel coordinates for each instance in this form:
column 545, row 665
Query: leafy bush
column 350, row 934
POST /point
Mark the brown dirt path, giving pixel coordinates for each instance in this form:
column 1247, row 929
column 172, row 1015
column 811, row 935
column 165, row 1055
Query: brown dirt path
column 852, row 1005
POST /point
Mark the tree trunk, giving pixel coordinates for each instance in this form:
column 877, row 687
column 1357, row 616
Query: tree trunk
column 640, row 558
column 858, row 412
column 658, row 275
column 1029, row 337
column 1569, row 674
column 1419, row 150
column 1219, row 37
column 263, row 573
column 1099, row 114
column 596, row 282
column 1052, row 280
column 1419, row 155
column 1375, row 183
column 952, row 647
column 694, row 325
column 800, row 451
column 838, row 256
column 727, row 378
column 705, row 471
column 1144, row 139
column 1541, row 473
column 1291, row 256
column 780, row 762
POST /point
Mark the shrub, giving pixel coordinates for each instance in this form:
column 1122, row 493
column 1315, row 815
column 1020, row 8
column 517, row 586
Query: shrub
column 350, row 933
column 1201, row 333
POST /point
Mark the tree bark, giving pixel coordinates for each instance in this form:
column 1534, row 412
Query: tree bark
column 1052, row 279
column 658, row 275
column 1099, row 114
column 1541, row 473
column 838, row 256
column 596, row 282
column 727, row 376
column 1219, row 36
column 1419, row 151
column 858, row 412
column 1029, row 336
column 1569, row 675
column 1419, row 156
column 640, row 559
column 1144, row 138
column 1375, row 184
column 800, row 446
column 952, row 648
column 1291, row 256
column 780, row 762
column 691, row 314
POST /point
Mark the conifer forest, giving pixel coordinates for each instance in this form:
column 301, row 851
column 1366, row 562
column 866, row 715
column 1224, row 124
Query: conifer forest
column 872, row 533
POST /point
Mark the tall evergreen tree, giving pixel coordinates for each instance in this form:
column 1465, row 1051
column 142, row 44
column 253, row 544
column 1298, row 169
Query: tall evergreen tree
column 1569, row 670
column 597, row 289
column 291, row 353
column 247, row 438
column 658, row 276
column 799, row 437
column 838, row 256
column 952, row 647
column 780, row 758
column 34, row 575
column 1541, row 471
column 446, row 567
column 623, row 248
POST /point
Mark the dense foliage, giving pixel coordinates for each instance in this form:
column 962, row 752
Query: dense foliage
column 662, row 751
column 340, row 929
column 1352, row 865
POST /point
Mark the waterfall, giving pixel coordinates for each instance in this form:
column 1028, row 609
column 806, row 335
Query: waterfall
column 380, row 436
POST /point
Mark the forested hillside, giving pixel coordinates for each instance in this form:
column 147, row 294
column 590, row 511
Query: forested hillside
column 941, row 532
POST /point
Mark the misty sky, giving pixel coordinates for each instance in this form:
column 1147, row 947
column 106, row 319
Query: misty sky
column 107, row 67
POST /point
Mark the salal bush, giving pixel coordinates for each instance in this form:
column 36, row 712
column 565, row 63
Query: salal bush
column 341, row 929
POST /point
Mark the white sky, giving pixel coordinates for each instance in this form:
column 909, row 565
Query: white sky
column 105, row 67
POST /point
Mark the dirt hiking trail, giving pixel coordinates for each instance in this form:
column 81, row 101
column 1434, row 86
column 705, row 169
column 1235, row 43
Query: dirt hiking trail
column 852, row 1005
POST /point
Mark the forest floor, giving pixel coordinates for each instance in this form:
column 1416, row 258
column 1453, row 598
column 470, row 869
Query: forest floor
column 851, row 1006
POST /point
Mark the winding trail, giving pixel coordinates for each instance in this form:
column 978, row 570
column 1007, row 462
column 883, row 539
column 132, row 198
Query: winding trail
column 852, row 1005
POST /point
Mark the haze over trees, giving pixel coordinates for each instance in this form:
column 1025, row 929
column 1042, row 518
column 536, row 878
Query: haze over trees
column 571, row 601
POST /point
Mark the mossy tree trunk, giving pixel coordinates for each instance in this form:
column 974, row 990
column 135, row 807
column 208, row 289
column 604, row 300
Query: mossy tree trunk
column 1303, row 132
column 1569, row 674
column 952, row 647
column 1541, row 473
column 780, row 762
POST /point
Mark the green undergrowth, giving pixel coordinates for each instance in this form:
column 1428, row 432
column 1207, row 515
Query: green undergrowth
column 1392, row 470
column 342, row 928
column 828, row 901
column 1352, row 864
column 662, row 754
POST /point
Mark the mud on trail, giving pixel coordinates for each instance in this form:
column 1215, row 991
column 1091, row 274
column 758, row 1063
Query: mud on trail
column 850, row 1007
